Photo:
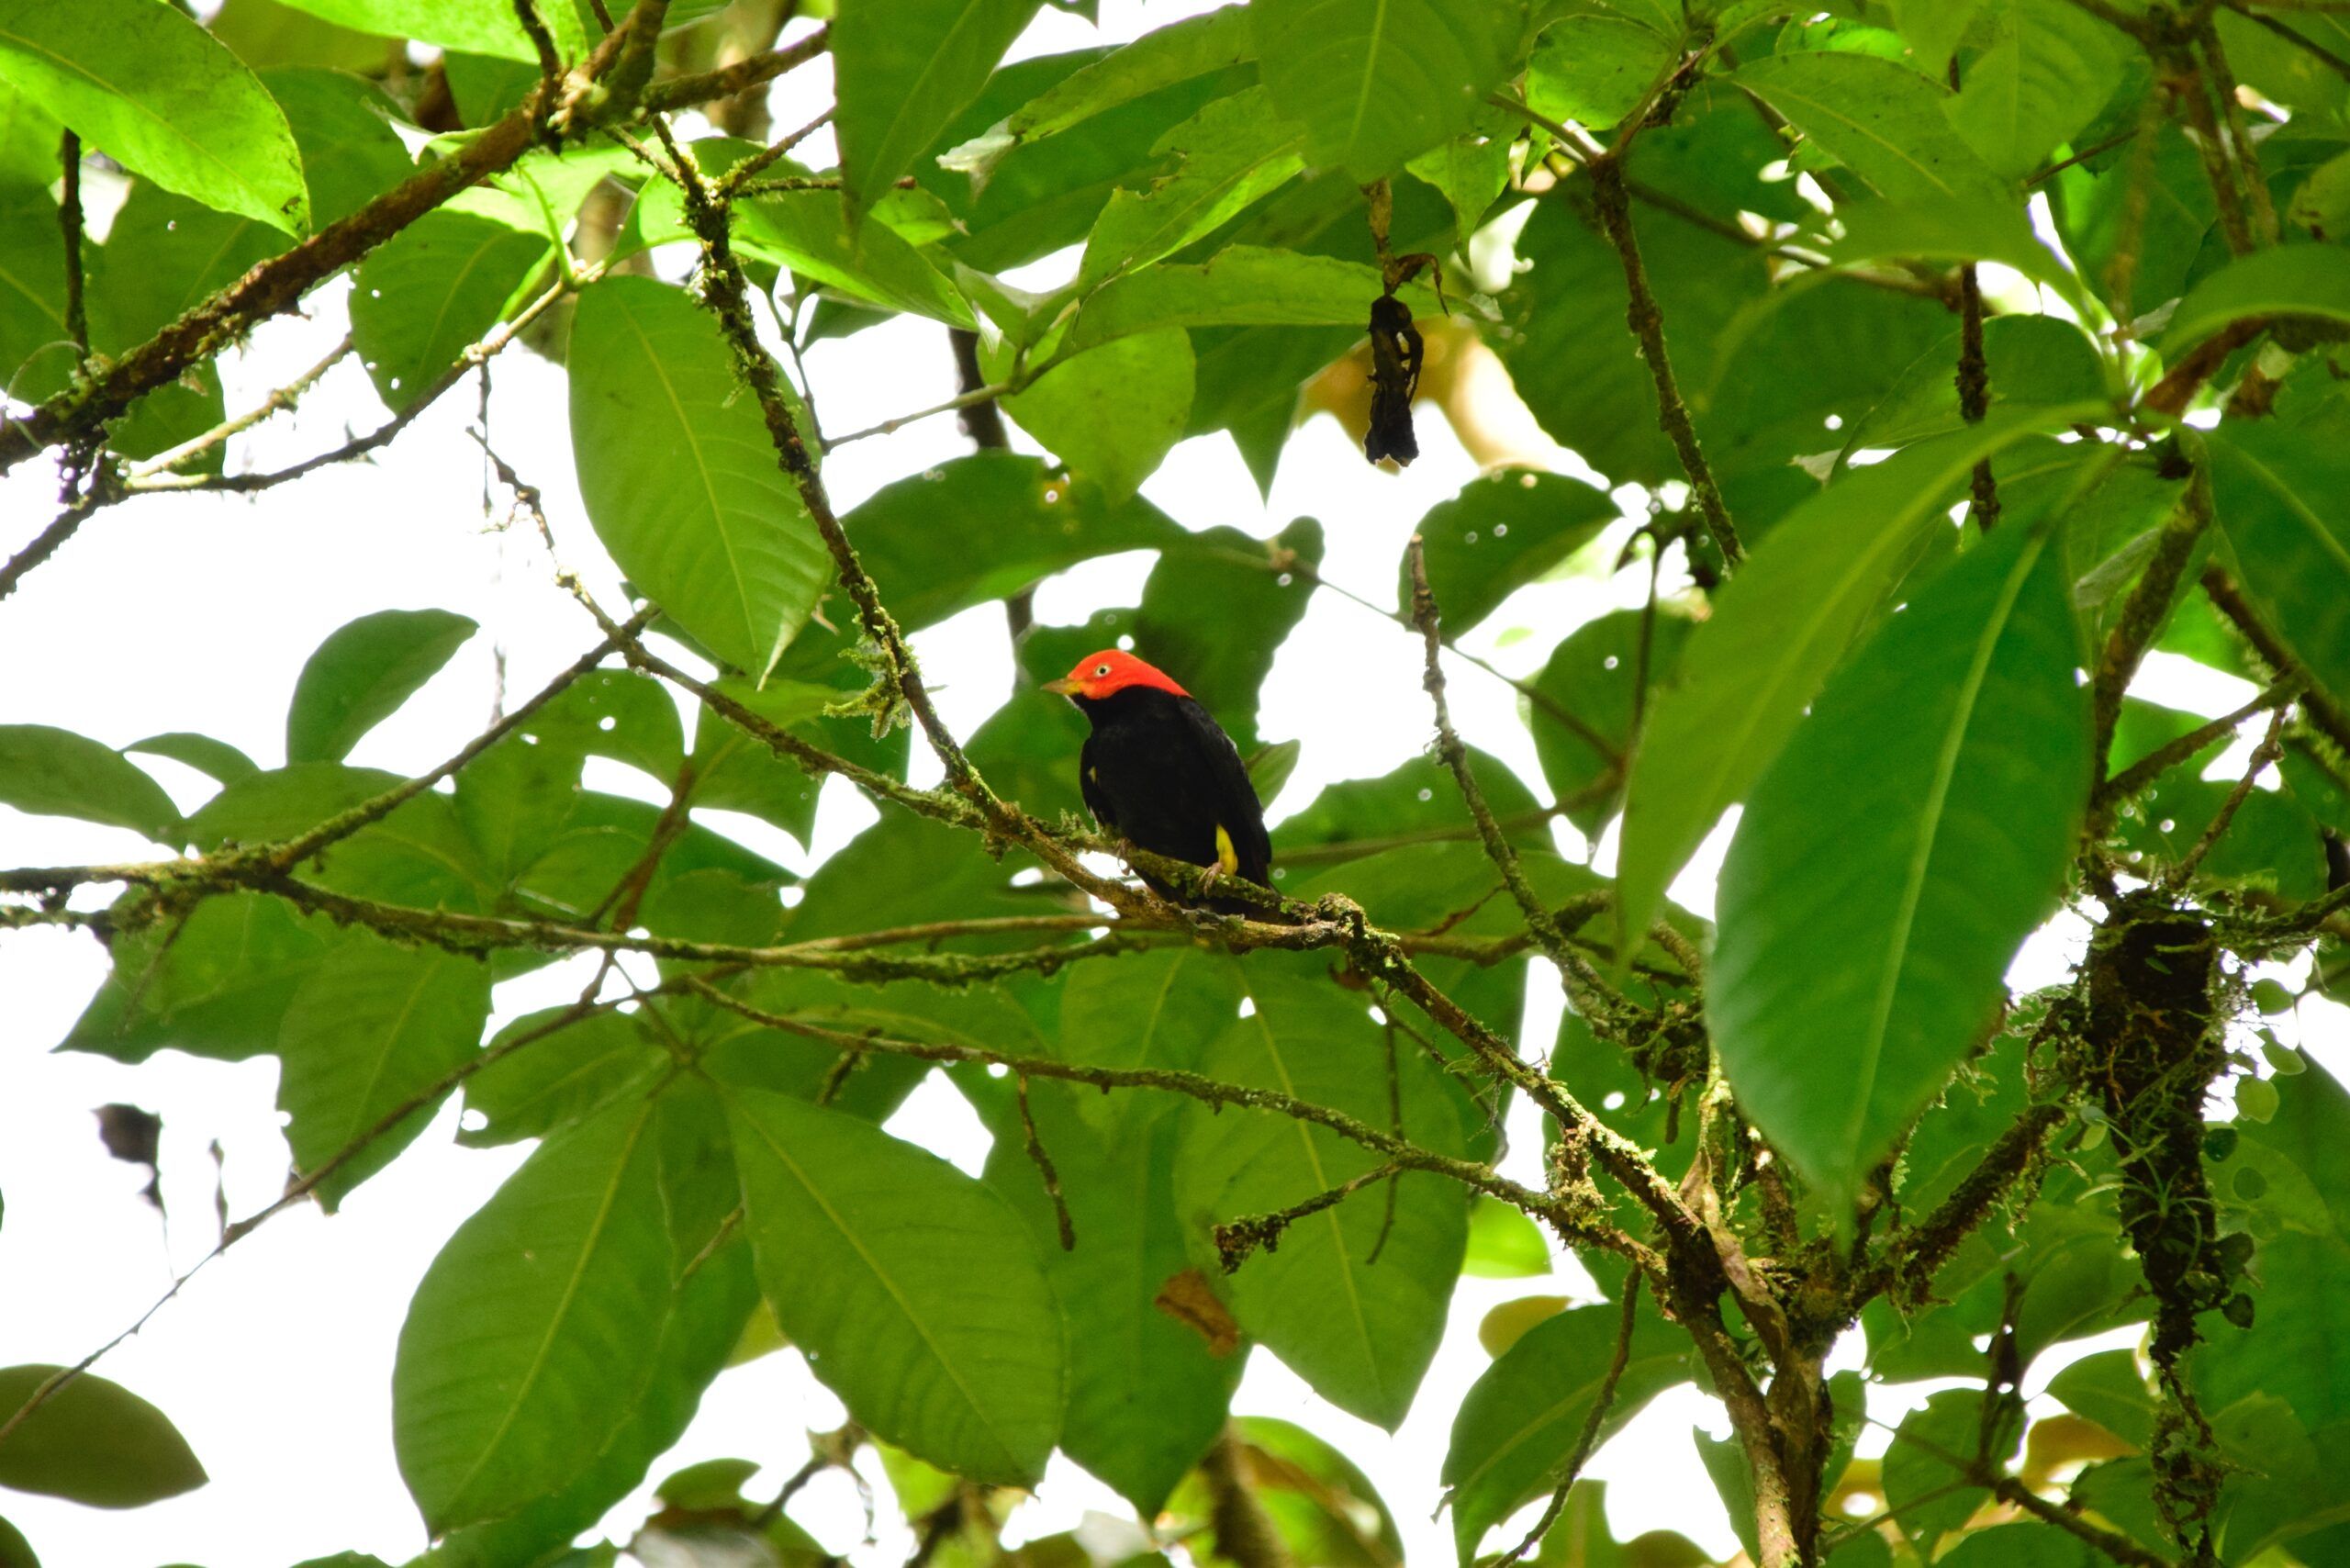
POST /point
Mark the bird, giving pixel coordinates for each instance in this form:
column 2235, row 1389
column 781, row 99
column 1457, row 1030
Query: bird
column 1160, row 773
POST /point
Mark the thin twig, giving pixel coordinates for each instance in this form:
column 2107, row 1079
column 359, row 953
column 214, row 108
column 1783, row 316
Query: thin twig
column 282, row 397
column 68, row 223
column 2263, row 756
column 1587, row 1439
column 1646, row 319
column 1043, row 1161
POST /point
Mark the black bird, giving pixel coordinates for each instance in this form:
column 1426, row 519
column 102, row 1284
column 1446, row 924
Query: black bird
column 1160, row 773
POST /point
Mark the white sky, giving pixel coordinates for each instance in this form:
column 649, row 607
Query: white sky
column 196, row 612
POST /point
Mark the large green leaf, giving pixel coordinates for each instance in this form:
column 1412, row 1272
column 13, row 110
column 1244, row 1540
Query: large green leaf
column 1013, row 521
column 1501, row 531
column 704, row 1322
column 559, row 1078
column 362, row 673
column 1158, row 1009
column 370, row 1029
column 1860, row 949
column 1376, row 82
column 1522, row 1420
column 2047, row 72
column 1112, row 413
column 2284, row 502
column 148, row 87
column 1884, row 122
column 1239, row 285
column 547, row 1300
column 2290, row 280
column 1595, row 676
column 681, row 478
column 1360, row 1329
column 903, row 72
column 94, row 1441
column 215, row 984
column 1782, row 624
column 1177, row 52
column 1214, row 614
column 916, row 1291
column 466, row 24
column 1146, row 1397
column 53, row 772
column 433, row 290
column 1594, row 70
column 1224, row 157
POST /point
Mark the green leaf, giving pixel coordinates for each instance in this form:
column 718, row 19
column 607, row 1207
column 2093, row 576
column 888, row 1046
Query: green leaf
column 213, row 985
column 417, row 854
column 1157, row 1009
column 1593, row 676
column 1014, row 519
column 217, row 759
column 361, row 675
column 1417, row 796
column 1952, row 1422
column 1776, row 631
column 1862, row 948
column 1502, row 1243
column 903, row 72
column 1501, row 531
column 148, row 86
column 705, row 1320
column 466, row 24
column 94, row 1441
column 1471, row 170
column 2032, row 359
column 56, row 773
column 1361, row 1332
column 16, row 1551
column 1213, row 616
column 556, row 1078
column 1239, row 285
column 1883, row 121
column 916, row 1291
column 29, row 136
column 2025, row 1545
column 681, row 478
column 1226, row 156
column 2048, row 71
column 1177, row 52
column 2290, row 280
column 1376, row 82
column 1594, row 70
column 547, row 1299
column 1112, row 413
column 372, row 1029
column 1146, row 1397
column 1521, row 1420
column 1972, row 230
column 343, row 125
column 2280, row 500
column 2108, row 1388
column 435, row 289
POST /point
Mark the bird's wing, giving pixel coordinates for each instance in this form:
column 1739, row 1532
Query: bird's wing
column 1089, row 785
column 1237, row 810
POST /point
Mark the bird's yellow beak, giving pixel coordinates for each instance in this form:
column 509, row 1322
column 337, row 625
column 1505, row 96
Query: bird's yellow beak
column 1067, row 686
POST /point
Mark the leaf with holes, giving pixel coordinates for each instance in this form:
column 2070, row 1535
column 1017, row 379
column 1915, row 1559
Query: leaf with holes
column 435, row 289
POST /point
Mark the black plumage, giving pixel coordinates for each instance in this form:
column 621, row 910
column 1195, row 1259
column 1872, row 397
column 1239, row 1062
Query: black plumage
column 1395, row 356
column 1159, row 772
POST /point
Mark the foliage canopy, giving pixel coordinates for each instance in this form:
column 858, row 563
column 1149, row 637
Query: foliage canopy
column 1964, row 354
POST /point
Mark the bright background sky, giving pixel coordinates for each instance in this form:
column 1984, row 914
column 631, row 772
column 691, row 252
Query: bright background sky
column 195, row 612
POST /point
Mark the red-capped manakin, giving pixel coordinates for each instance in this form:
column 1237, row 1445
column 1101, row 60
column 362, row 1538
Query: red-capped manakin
column 1160, row 773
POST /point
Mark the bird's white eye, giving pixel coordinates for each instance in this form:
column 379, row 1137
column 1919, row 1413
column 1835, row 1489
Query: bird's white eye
column 1101, row 669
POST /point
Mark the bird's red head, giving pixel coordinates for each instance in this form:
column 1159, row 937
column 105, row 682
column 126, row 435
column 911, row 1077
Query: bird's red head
column 1109, row 672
